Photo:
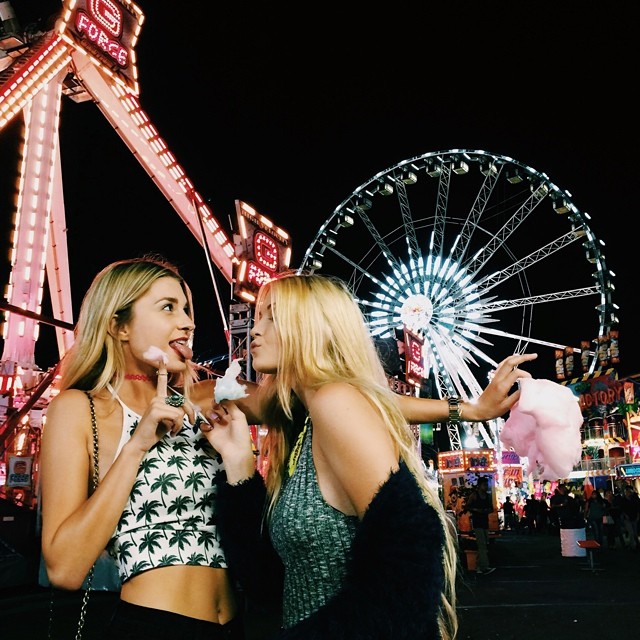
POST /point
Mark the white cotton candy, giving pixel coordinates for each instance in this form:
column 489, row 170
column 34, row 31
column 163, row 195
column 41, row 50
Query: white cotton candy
column 227, row 387
column 155, row 355
column 544, row 426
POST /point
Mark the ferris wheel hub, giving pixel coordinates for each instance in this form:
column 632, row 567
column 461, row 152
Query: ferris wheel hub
column 416, row 312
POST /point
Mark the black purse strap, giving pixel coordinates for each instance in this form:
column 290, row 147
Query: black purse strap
column 95, row 478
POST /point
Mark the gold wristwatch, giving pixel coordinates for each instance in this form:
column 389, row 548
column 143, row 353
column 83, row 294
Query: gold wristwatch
column 455, row 410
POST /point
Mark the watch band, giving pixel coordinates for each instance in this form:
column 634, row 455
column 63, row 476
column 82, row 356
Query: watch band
column 455, row 410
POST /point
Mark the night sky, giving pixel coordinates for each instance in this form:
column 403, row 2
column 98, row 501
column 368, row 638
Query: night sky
column 292, row 108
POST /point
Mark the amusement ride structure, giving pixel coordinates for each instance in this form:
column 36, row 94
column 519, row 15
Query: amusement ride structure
column 89, row 55
column 457, row 238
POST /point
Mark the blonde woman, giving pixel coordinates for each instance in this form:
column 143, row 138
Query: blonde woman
column 154, row 506
column 364, row 548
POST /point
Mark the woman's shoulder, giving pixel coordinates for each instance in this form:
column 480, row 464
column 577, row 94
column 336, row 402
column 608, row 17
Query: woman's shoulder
column 68, row 399
column 332, row 398
column 337, row 391
column 67, row 412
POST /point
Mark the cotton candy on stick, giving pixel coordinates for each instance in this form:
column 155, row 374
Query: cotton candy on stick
column 155, row 355
column 227, row 387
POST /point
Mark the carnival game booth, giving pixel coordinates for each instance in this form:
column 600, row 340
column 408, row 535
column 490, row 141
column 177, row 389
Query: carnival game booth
column 460, row 471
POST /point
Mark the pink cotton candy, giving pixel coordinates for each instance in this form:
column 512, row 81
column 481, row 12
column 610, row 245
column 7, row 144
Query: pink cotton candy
column 544, row 426
column 155, row 354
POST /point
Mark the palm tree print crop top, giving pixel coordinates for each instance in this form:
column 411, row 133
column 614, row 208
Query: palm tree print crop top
column 170, row 517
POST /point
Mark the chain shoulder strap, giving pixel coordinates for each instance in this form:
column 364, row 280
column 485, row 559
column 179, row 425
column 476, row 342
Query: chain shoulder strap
column 95, row 479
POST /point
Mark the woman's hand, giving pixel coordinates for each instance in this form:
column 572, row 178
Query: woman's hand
column 496, row 400
column 160, row 417
column 228, row 433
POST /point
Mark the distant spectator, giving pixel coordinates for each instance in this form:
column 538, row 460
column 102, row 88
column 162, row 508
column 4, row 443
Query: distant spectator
column 480, row 505
column 595, row 511
column 557, row 505
column 530, row 514
column 509, row 514
column 612, row 528
column 542, row 518
column 630, row 507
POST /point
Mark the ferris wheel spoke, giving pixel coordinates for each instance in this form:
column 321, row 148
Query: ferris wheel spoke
column 407, row 219
column 396, row 266
column 547, row 297
column 461, row 244
column 436, row 242
column 487, row 283
column 527, row 339
column 484, row 255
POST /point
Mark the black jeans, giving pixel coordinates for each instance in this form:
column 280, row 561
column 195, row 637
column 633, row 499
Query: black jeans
column 131, row 622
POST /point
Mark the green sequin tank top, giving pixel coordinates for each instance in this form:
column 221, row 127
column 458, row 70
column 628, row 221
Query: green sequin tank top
column 312, row 538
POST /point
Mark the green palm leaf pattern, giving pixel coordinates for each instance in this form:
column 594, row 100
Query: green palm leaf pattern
column 148, row 509
column 167, row 561
column 151, row 542
column 147, row 465
column 177, row 461
column 139, row 566
column 164, row 482
column 179, row 505
column 196, row 559
column 195, row 481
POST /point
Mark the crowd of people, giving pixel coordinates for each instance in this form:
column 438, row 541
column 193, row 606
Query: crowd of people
column 610, row 515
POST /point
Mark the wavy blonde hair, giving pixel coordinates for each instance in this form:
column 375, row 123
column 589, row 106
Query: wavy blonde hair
column 96, row 357
column 323, row 338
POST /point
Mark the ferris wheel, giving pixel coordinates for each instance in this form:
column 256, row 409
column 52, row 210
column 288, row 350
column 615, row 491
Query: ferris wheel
column 476, row 253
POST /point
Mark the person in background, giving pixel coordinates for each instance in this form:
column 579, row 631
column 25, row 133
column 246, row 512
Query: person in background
column 542, row 517
column 509, row 513
column 529, row 521
column 363, row 546
column 612, row 528
column 630, row 508
column 480, row 505
column 557, row 507
column 594, row 511
column 156, row 498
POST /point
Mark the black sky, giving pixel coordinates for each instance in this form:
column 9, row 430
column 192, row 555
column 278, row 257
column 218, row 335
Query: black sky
column 290, row 108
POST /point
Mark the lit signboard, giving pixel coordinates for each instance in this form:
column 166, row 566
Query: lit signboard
column 263, row 251
column 414, row 361
column 628, row 470
column 107, row 31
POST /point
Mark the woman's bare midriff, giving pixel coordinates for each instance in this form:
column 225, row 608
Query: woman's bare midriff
column 197, row 592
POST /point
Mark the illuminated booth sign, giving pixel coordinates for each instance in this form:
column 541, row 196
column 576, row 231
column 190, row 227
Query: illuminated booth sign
column 263, row 251
column 414, row 361
column 106, row 30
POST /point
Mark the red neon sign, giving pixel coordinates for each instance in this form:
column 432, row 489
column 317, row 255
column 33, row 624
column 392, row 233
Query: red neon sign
column 85, row 26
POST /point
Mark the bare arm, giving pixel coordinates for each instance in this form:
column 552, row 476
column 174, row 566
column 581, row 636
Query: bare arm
column 494, row 401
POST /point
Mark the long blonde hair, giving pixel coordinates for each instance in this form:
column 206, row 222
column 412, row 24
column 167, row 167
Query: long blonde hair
column 323, row 338
column 96, row 357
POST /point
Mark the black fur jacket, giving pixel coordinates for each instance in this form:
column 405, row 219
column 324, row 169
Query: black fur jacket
column 394, row 576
